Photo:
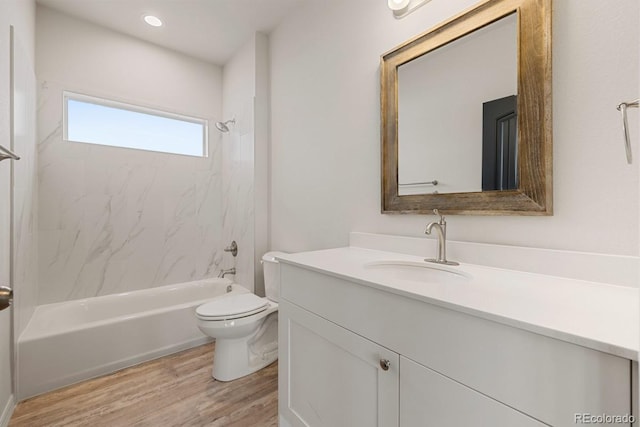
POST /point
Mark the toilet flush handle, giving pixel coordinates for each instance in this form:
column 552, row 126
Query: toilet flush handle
column 6, row 297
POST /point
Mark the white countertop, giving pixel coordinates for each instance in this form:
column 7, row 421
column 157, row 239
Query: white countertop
column 595, row 315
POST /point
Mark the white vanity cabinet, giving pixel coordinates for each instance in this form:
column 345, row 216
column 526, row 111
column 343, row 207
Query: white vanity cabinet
column 446, row 367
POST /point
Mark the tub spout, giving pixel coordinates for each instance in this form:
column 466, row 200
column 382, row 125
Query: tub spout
column 228, row 271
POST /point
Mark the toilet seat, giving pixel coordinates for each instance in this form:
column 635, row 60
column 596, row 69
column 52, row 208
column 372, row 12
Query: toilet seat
column 232, row 307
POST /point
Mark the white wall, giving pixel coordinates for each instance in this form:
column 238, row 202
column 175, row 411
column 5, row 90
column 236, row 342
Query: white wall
column 114, row 219
column 261, row 170
column 25, row 180
column 21, row 15
column 6, row 388
column 245, row 155
column 238, row 159
column 326, row 140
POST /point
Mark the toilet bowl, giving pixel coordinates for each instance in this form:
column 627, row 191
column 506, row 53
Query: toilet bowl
column 245, row 327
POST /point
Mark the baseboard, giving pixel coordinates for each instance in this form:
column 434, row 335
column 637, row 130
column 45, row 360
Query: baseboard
column 7, row 411
column 283, row 422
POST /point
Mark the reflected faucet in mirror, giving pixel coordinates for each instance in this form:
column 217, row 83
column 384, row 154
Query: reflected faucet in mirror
column 441, row 231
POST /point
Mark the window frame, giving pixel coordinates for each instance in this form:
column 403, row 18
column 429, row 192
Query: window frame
column 74, row 96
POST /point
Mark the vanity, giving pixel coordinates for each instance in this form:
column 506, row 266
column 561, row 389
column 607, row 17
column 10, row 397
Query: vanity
column 378, row 338
column 374, row 335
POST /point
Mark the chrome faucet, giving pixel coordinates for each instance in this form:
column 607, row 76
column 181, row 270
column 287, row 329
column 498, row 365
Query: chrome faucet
column 228, row 271
column 441, row 231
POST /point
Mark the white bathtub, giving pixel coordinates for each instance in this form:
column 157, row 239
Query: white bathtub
column 72, row 341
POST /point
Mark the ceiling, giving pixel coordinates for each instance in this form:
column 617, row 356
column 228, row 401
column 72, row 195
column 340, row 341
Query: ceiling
column 211, row 30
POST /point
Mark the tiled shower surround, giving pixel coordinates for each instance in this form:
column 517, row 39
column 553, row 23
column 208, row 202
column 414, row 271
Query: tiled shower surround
column 115, row 220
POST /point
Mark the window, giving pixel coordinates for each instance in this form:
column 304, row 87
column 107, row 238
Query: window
column 99, row 121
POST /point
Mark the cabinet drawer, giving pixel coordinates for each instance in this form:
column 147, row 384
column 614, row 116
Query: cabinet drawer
column 549, row 379
column 431, row 399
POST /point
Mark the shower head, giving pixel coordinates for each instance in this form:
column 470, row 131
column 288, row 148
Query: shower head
column 224, row 126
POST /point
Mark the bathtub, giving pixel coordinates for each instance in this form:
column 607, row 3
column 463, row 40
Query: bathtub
column 76, row 340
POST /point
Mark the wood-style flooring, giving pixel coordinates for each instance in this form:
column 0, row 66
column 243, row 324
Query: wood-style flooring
column 176, row 390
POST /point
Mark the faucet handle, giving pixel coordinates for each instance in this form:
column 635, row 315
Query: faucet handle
column 233, row 248
column 437, row 212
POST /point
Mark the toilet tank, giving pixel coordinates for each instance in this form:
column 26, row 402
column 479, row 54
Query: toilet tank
column 271, row 269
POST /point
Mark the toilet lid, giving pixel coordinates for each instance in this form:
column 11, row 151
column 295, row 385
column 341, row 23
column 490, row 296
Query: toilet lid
column 232, row 306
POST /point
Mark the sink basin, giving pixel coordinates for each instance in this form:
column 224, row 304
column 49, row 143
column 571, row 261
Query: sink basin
column 418, row 271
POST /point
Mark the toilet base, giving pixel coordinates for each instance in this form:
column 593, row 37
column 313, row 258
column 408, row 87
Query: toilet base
column 234, row 358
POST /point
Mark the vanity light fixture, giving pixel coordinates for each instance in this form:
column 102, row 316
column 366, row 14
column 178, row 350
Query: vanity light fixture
column 398, row 4
column 402, row 8
column 154, row 21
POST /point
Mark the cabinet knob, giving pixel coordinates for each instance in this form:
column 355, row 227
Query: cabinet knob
column 385, row 364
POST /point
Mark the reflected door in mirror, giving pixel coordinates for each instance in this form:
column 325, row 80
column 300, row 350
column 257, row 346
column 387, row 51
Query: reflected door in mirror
column 500, row 144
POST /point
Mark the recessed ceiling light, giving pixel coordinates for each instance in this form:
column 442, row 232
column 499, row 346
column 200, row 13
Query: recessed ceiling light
column 154, row 21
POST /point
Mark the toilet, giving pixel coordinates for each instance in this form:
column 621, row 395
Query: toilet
column 245, row 327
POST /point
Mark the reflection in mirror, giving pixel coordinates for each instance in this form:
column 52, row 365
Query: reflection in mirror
column 457, row 114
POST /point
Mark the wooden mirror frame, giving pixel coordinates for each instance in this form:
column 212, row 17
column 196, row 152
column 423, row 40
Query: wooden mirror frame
column 535, row 165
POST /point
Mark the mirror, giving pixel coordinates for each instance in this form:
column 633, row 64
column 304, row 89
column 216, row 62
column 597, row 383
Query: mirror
column 466, row 114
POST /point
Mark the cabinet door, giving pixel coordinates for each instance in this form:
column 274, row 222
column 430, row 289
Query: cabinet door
column 431, row 399
column 332, row 377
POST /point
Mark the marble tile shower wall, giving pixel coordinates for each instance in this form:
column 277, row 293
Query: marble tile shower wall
column 238, row 189
column 114, row 220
